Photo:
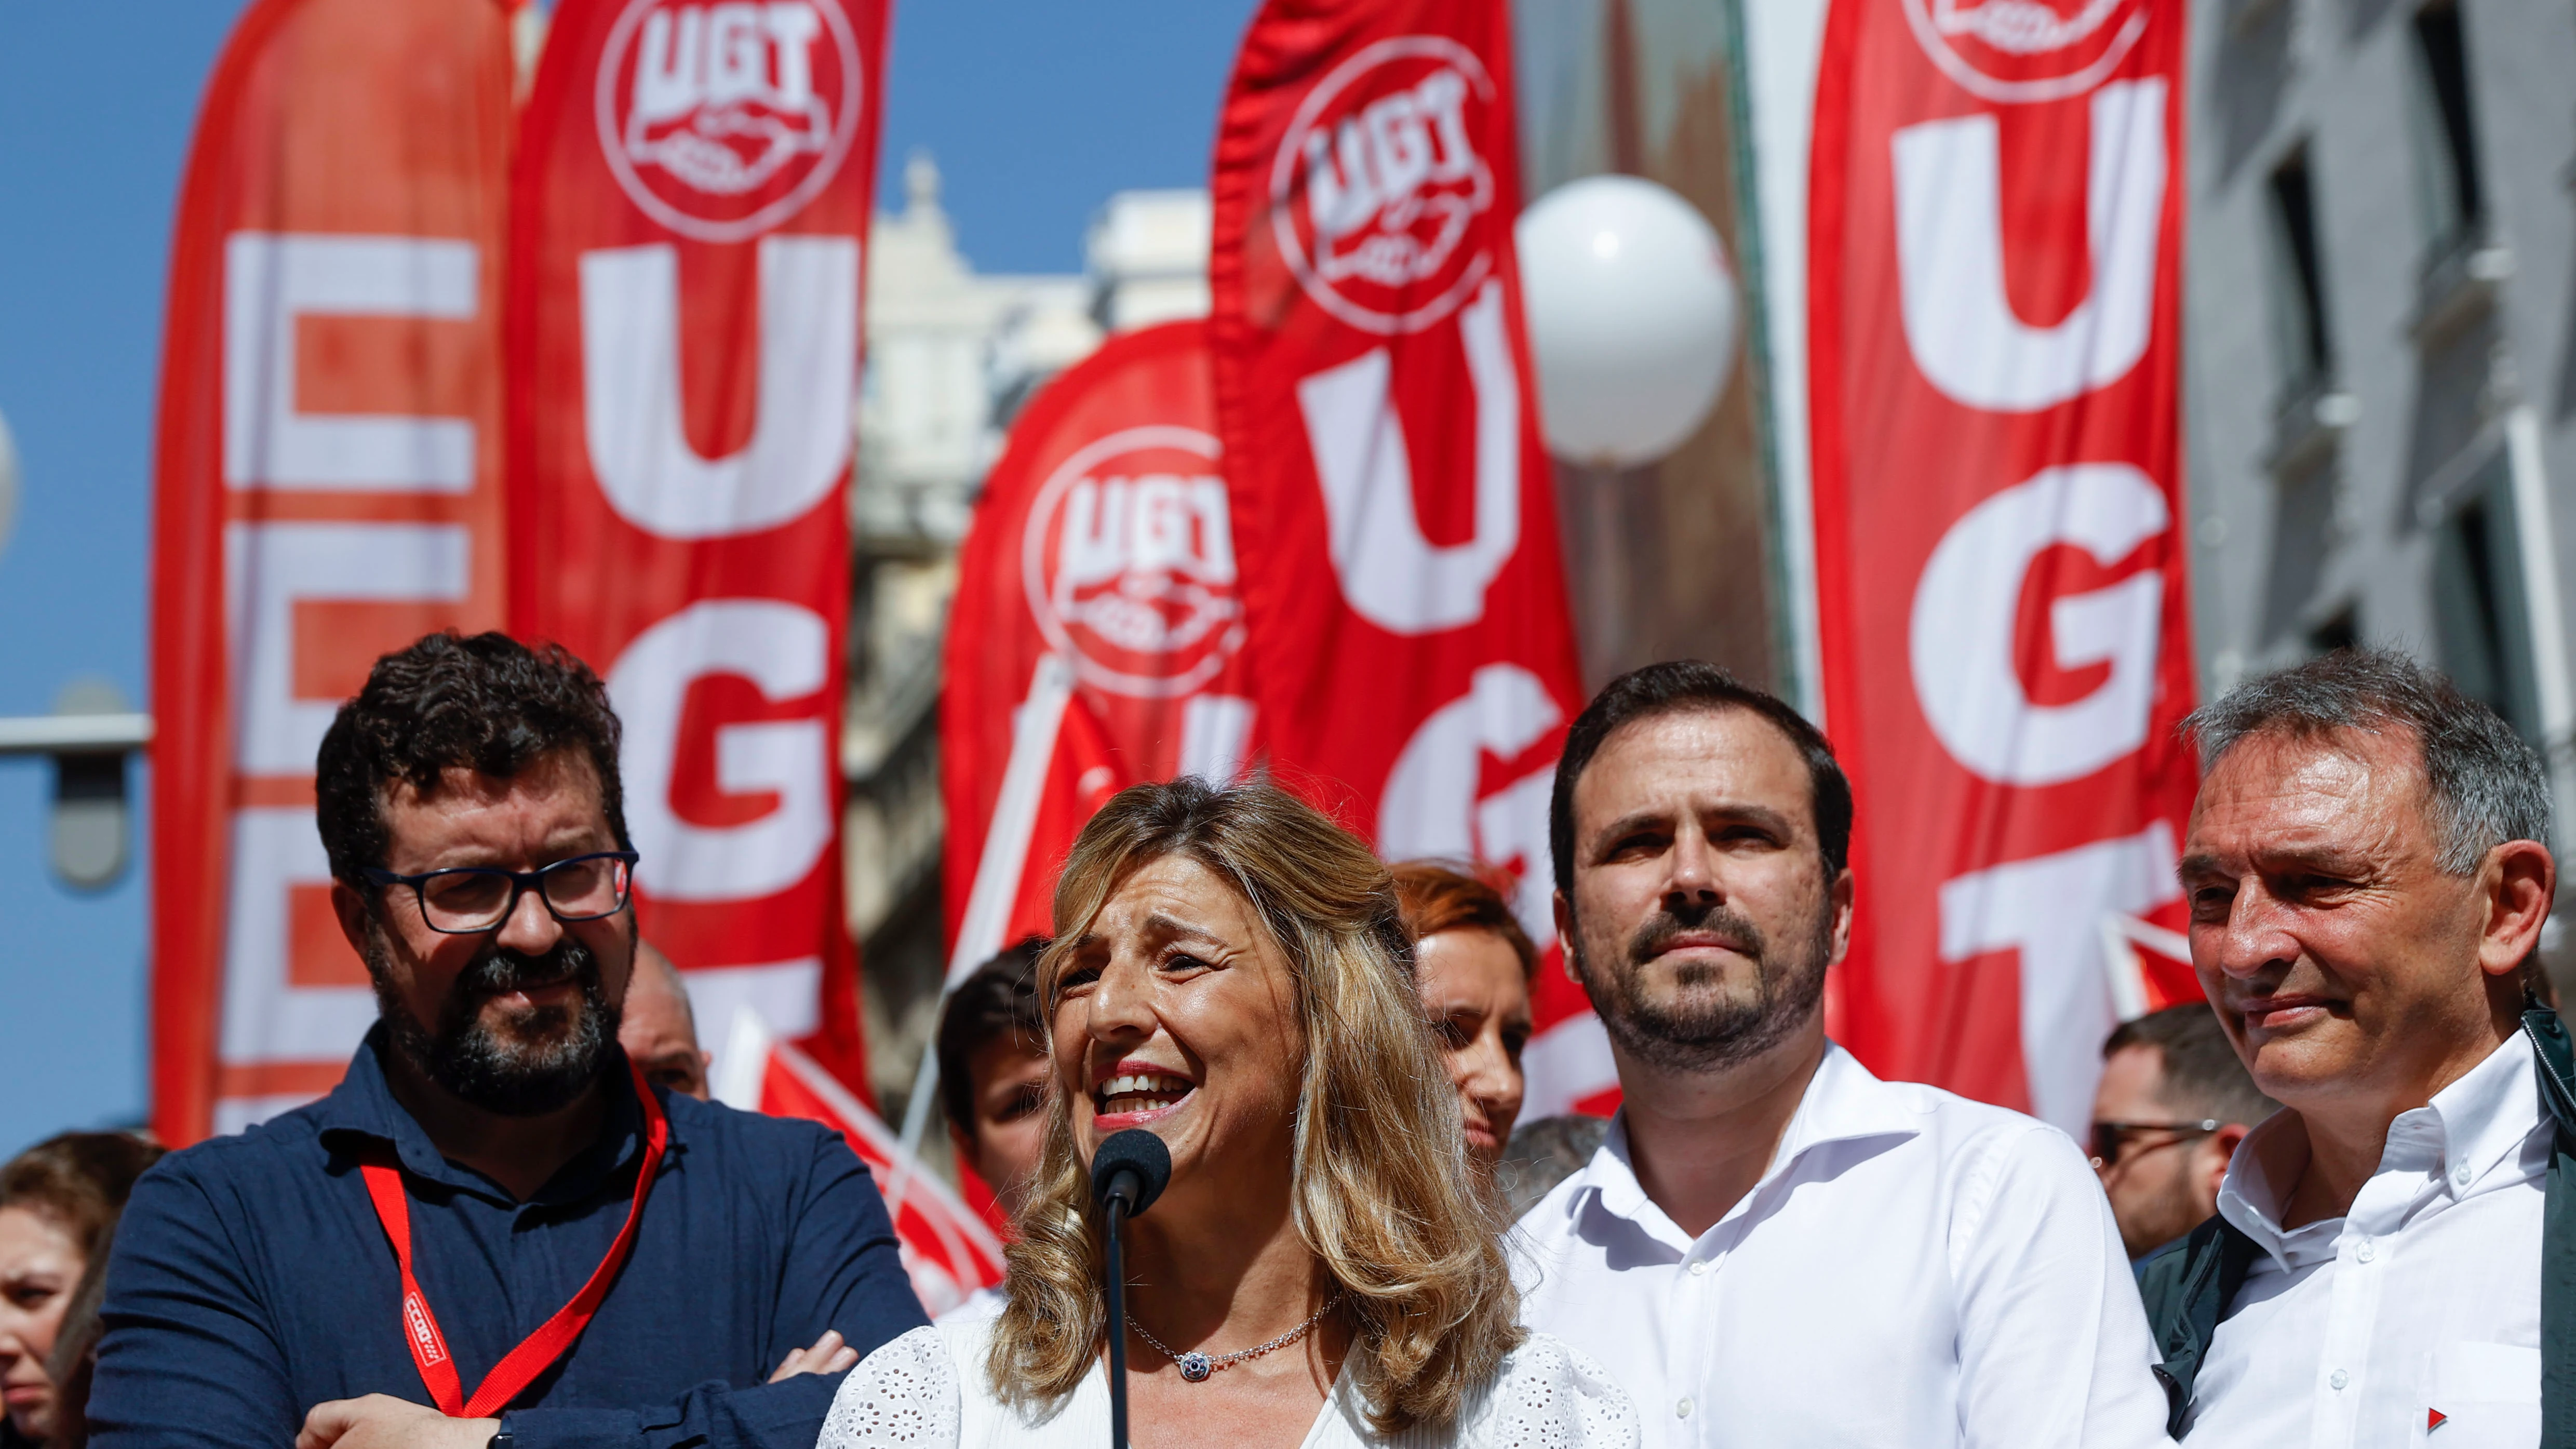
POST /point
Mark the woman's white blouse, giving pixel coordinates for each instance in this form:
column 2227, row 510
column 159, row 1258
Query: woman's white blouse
column 929, row 1388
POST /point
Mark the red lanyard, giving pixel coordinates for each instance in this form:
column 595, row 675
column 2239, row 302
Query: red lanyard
column 539, row 1349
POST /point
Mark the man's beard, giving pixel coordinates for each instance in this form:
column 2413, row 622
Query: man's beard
column 486, row 1069
column 2167, row 1215
column 1705, row 1027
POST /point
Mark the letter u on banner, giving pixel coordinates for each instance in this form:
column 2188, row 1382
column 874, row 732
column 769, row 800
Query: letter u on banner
column 1371, row 377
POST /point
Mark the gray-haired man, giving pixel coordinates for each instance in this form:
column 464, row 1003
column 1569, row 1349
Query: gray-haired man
column 2367, row 872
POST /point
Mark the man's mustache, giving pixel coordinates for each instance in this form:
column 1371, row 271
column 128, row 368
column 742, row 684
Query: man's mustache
column 501, row 970
column 1661, row 929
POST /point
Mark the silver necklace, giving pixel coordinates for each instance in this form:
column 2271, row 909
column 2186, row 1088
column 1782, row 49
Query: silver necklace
column 1196, row 1366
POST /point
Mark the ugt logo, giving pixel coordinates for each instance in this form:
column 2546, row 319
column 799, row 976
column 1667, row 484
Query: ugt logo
column 1128, row 561
column 721, row 121
column 2020, row 51
column 1377, row 187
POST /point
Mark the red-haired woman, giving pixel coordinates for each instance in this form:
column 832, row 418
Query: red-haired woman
column 1472, row 964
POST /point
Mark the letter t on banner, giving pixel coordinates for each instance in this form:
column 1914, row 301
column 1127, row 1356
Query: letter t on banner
column 691, row 197
column 1394, row 520
column 1995, row 233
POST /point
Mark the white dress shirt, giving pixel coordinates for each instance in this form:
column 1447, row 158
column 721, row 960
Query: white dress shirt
column 928, row 1390
column 2424, row 1299
column 1913, row 1269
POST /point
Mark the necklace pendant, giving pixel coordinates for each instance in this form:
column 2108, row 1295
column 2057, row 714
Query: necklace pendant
column 1196, row 1366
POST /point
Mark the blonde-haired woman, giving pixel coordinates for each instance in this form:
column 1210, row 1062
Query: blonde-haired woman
column 1229, row 973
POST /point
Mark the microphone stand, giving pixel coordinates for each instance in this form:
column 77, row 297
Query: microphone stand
column 1127, row 1174
column 1117, row 1220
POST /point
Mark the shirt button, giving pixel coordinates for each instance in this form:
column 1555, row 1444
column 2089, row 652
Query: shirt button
column 1681, row 1408
column 1699, row 1267
column 2460, row 1174
column 2367, row 1251
column 2339, row 1378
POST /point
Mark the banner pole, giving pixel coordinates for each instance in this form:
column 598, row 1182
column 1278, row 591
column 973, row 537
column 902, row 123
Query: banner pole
column 997, row 883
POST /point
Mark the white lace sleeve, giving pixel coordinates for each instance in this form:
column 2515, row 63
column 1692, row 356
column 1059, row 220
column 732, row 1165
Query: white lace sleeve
column 1553, row 1396
column 905, row 1393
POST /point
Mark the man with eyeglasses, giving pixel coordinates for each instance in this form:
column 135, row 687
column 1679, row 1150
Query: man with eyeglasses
column 496, row 1231
column 2173, row 1103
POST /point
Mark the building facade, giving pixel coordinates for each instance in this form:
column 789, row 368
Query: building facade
column 2380, row 361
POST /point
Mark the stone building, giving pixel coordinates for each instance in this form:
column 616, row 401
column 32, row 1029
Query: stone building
column 2380, row 374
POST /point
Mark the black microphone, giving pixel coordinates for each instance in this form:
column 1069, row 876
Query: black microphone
column 1130, row 1168
column 1127, row 1174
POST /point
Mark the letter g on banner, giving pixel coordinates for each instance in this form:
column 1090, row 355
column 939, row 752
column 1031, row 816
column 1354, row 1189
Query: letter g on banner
column 785, row 650
column 1430, row 806
column 1966, row 605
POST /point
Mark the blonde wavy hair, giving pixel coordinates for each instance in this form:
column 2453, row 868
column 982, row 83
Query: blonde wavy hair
column 1384, row 1196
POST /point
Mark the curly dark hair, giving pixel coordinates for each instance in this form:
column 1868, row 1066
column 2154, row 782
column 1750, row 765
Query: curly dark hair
column 488, row 703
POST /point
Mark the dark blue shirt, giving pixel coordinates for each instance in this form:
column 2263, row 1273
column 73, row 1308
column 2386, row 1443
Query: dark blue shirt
column 250, row 1279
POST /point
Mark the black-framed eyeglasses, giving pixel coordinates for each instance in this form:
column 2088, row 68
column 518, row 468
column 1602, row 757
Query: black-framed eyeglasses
column 2111, row 1138
column 469, row 900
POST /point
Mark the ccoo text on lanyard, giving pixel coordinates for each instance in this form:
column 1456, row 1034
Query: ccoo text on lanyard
column 518, row 1368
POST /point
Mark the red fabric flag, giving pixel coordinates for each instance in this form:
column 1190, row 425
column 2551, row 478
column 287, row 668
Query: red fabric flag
column 689, row 203
column 1096, row 640
column 1994, row 334
column 1394, row 520
column 328, row 488
column 947, row 1247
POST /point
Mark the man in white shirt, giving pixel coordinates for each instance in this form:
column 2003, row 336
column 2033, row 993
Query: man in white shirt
column 1775, row 1248
column 2367, row 871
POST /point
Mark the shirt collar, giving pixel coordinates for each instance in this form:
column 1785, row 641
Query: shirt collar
column 1843, row 1102
column 363, row 1107
column 2452, row 1143
column 2488, row 1114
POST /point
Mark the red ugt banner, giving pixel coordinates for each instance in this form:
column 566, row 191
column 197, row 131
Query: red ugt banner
column 689, row 203
column 1995, row 341
column 328, row 488
column 1394, row 519
column 1096, row 640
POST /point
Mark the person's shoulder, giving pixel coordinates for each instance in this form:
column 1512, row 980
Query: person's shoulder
column 256, row 1155
column 748, row 1137
column 967, row 1329
column 985, row 1304
column 1547, row 1391
column 1964, row 1130
column 903, row 1393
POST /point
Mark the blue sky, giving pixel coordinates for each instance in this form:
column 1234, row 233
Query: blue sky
column 1035, row 112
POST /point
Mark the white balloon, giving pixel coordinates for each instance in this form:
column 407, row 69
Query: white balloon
column 1632, row 315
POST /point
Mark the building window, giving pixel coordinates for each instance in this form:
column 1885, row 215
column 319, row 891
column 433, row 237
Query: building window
column 2480, row 620
column 2299, row 338
column 2444, row 139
